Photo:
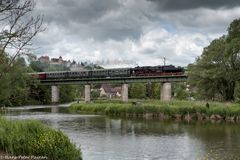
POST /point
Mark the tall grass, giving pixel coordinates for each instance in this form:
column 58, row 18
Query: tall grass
column 155, row 106
column 33, row 138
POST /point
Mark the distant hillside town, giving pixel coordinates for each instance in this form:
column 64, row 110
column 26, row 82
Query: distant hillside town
column 45, row 63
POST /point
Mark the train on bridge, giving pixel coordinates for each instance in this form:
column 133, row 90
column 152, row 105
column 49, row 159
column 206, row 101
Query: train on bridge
column 111, row 73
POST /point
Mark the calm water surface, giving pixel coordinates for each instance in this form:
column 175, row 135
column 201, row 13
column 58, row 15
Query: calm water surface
column 104, row 138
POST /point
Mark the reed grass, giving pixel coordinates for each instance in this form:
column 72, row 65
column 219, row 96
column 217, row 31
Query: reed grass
column 27, row 138
column 170, row 108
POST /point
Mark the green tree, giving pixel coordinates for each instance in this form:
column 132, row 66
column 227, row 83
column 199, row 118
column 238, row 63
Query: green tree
column 67, row 93
column 237, row 92
column 95, row 94
column 216, row 71
column 17, row 29
column 39, row 66
column 180, row 91
column 156, row 87
column 39, row 94
column 138, row 90
column 13, row 83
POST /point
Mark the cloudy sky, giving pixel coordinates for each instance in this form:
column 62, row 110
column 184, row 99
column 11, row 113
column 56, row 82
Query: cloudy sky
column 119, row 33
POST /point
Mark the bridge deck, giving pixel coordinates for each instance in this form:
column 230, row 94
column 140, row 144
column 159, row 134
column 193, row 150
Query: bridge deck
column 172, row 78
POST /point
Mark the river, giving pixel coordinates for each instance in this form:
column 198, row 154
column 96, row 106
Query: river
column 104, row 138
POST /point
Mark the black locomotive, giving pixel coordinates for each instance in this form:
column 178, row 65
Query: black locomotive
column 108, row 73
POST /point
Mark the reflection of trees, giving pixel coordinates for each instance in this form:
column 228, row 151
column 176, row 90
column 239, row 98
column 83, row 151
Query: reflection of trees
column 220, row 140
column 121, row 126
column 215, row 137
column 54, row 109
column 150, row 127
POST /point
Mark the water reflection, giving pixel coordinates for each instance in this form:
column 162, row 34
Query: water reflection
column 55, row 109
column 107, row 138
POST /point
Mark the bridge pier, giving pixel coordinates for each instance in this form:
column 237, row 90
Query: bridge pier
column 125, row 92
column 55, row 94
column 87, row 93
column 166, row 91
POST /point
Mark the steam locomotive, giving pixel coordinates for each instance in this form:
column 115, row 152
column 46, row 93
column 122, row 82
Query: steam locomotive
column 108, row 73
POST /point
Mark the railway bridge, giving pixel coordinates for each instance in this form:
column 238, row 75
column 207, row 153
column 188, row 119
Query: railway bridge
column 164, row 80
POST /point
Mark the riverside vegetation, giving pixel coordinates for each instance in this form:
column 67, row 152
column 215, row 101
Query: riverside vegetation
column 180, row 110
column 28, row 138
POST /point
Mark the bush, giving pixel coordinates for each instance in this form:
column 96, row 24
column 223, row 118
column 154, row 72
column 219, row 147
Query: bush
column 54, row 144
column 217, row 110
column 150, row 106
column 95, row 94
column 137, row 109
column 151, row 109
column 33, row 138
column 200, row 109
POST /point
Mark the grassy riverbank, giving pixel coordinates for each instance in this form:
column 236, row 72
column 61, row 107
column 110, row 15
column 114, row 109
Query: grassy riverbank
column 165, row 110
column 27, row 138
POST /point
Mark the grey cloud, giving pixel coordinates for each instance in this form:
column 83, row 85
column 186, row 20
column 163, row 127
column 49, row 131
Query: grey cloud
column 84, row 11
column 174, row 5
column 83, row 18
column 107, row 19
column 96, row 29
column 202, row 20
column 148, row 51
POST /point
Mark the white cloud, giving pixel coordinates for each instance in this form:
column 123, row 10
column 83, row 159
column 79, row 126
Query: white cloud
column 129, row 32
column 179, row 49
